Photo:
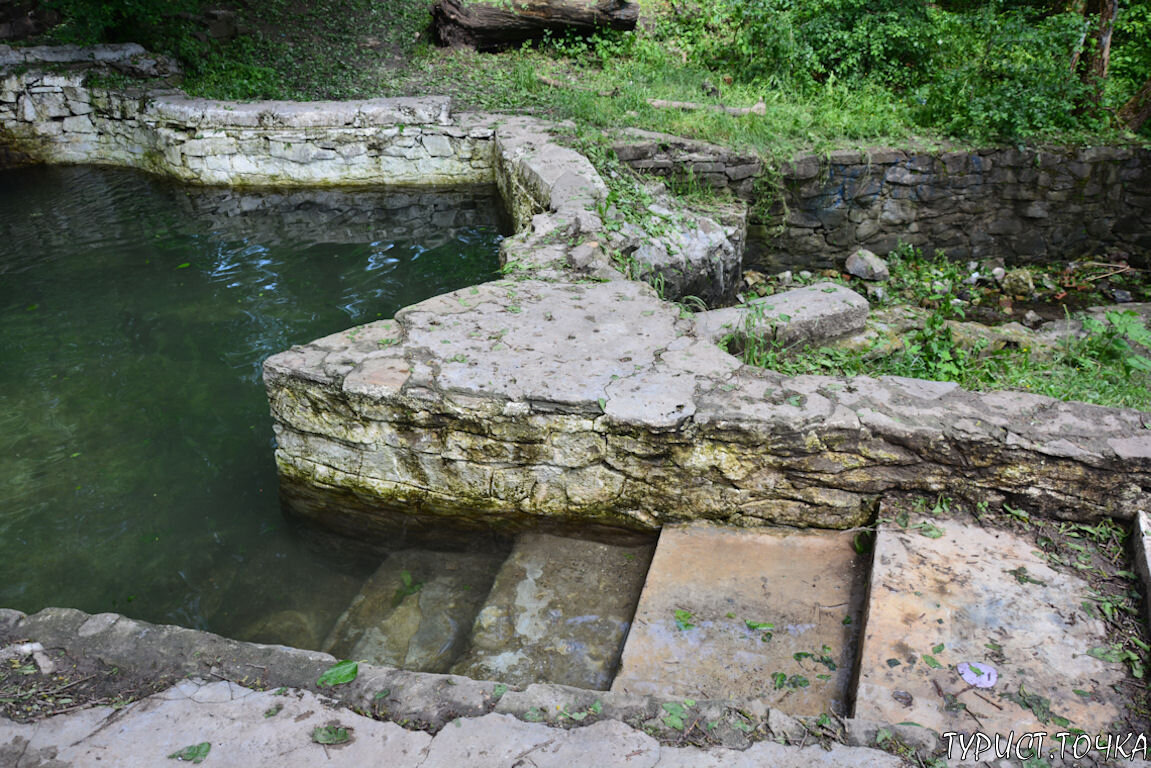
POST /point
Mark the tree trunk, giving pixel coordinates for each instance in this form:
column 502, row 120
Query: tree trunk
column 1137, row 111
column 1100, row 59
column 492, row 25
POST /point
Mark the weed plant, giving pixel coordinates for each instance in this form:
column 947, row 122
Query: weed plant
column 1108, row 363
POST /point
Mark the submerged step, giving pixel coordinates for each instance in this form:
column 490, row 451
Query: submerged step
column 732, row 613
column 969, row 630
column 416, row 610
column 558, row 612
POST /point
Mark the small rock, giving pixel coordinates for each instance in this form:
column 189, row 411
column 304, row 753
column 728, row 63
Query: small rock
column 804, row 274
column 999, row 273
column 1032, row 319
column 866, row 265
column 786, row 726
column 1018, row 282
column 877, row 293
column 785, row 278
column 1121, row 296
column 45, row 664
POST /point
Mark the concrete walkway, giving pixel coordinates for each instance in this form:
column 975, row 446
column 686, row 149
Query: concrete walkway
column 284, row 728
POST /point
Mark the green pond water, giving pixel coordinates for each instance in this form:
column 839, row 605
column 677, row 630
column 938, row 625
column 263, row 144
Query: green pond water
column 136, row 450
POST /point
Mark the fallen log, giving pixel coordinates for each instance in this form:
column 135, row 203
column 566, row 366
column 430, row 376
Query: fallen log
column 492, row 25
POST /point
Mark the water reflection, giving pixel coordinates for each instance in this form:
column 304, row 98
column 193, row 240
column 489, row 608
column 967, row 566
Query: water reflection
column 136, row 467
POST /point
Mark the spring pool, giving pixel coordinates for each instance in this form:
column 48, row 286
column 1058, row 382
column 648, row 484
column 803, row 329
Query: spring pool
column 136, row 450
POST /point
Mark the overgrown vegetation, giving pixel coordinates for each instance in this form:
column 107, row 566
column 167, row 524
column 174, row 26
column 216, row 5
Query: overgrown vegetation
column 1108, row 361
column 827, row 72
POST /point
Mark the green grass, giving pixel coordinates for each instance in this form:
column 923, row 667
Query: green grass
column 1107, row 364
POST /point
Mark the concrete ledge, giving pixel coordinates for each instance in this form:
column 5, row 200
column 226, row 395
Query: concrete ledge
column 522, row 403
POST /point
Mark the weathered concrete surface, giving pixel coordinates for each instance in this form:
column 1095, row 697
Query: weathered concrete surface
column 243, row 727
column 415, row 611
column 1143, row 555
column 543, row 176
column 259, row 729
column 517, row 403
column 985, row 598
column 809, row 315
column 558, row 611
column 808, row 586
column 556, row 198
column 445, row 717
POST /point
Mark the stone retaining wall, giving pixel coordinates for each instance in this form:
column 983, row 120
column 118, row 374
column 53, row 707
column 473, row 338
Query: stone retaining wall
column 57, row 118
column 1024, row 206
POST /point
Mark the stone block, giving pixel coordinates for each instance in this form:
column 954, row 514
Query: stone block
column 866, row 265
column 955, row 163
column 628, row 151
column 846, row 157
column 415, row 611
column 886, row 156
column 801, row 169
column 1036, row 210
column 921, row 163
column 739, row 172
column 901, row 175
column 897, row 212
column 78, row 124
column 724, row 613
column 807, row 315
column 559, row 611
column 951, row 601
column 51, row 104
column 437, row 145
column 1004, row 225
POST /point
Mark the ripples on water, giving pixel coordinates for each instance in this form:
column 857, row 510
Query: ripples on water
column 136, row 470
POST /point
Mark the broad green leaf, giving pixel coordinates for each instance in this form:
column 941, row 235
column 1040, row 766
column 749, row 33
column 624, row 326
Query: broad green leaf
column 339, row 674
column 330, row 734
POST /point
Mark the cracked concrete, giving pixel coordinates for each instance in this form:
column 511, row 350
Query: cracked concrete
column 264, row 729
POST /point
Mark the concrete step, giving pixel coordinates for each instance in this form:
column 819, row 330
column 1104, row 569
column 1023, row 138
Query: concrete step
column 416, row 611
column 702, row 626
column 968, row 629
column 558, row 611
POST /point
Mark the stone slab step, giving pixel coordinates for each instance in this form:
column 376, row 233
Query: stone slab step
column 415, row 611
column 964, row 629
column 692, row 636
column 558, row 612
column 808, row 315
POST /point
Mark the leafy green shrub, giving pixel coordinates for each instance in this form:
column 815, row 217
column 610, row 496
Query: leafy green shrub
column 1005, row 76
column 112, row 21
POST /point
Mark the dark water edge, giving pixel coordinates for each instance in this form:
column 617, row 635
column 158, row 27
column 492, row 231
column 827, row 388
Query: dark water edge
column 136, row 469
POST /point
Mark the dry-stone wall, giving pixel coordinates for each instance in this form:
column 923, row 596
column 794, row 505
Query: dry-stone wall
column 690, row 161
column 56, row 117
column 1030, row 205
column 1025, row 206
